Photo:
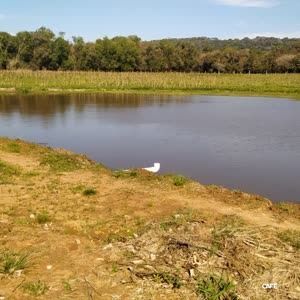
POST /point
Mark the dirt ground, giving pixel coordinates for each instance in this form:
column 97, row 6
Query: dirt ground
column 73, row 229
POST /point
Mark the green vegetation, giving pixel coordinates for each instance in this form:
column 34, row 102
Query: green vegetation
column 41, row 50
column 13, row 147
column 89, row 192
column 7, row 171
column 43, row 217
column 179, row 180
column 35, row 288
column 11, row 262
column 228, row 227
column 216, row 288
column 61, row 162
column 167, row 278
column 283, row 85
column 292, row 237
column 125, row 174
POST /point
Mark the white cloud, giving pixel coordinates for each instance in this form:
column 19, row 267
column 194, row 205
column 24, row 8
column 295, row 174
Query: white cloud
column 249, row 3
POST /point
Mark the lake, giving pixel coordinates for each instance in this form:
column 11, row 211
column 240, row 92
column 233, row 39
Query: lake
column 246, row 143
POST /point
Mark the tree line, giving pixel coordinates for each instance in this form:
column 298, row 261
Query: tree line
column 43, row 50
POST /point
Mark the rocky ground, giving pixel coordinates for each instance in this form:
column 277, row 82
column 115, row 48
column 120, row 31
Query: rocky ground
column 73, row 229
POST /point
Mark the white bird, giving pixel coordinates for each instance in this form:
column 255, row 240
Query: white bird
column 153, row 169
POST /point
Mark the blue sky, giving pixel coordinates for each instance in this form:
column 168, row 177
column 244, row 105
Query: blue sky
column 153, row 19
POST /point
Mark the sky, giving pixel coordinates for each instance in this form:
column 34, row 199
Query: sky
column 154, row 19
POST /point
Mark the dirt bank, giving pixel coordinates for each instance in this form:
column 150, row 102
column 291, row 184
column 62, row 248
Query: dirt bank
column 73, row 229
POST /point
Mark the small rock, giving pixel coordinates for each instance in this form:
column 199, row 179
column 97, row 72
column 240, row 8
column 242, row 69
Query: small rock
column 77, row 241
column 49, row 267
column 150, row 268
column 177, row 216
column 152, row 256
column 109, row 246
column 131, row 249
column 135, row 235
column 100, row 259
column 32, row 216
column 138, row 262
column 18, row 273
column 2, row 298
column 192, row 272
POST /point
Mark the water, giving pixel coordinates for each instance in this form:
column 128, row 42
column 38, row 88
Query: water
column 251, row 144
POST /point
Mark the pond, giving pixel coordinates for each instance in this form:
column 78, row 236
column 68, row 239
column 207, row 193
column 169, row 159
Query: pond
column 246, row 143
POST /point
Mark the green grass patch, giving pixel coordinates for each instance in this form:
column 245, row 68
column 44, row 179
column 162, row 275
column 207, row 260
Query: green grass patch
column 61, row 162
column 13, row 147
column 292, row 237
column 12, row 261
column 35, row 288
column 125, row 174
column 7, row 171
column 179, row 180
column 216, row 287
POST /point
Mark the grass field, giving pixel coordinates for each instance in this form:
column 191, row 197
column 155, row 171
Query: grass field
column 74, row 229
column 281, row 85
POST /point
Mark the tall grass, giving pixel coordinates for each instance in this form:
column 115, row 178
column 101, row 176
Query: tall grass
column 255, row 84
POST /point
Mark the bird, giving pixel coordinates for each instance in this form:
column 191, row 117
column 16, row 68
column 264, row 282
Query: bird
column 153, row 169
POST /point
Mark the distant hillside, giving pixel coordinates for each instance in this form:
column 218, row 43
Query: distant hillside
column 259, row 43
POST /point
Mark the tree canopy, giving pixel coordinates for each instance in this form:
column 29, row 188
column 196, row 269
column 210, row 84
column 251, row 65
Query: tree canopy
column 42, row 49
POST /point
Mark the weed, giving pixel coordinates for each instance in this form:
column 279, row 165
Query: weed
column 179, row 180
column 114, row 268
column 43, row 217
column 7, row 171
column 167, row 278
column 226, row 228
column 13, row 147
column 124, row 174
column 89, row 192
column 216, row 288
column 67, row 286
column 11, row 262
column 37, row 288
column 292, row 237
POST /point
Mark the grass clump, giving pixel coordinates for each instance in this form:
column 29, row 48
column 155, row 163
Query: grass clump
column 167, row 278
column 43, row 217
column 37, row 288
column 89, row 192
column 7, row 171
column 292, row 237
column 179, row 180
column 61, row 162
column 12, row 261
column 227, row 228
column 124, row 174
column 13, row 147
column 216, row 288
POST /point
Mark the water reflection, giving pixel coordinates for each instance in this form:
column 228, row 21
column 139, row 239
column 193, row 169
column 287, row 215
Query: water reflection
column 252, row 144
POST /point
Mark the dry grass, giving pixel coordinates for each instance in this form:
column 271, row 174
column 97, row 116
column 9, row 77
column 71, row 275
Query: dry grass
column 96, row 234
column 283, row 85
